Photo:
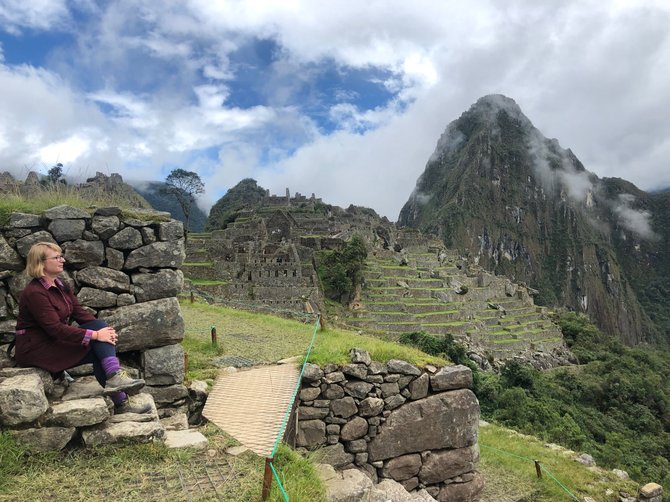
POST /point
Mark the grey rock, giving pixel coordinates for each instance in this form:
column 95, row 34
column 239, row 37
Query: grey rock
column 374, row 379
column 377, row 368
column 166, row 394
column 125, row 299
column 358, row 390
column 78, row 413
column 371, row 407
column 389, row 389
column 65, row 212
column 345, row 407
column 170, row 230
column 334, row 377
column 333, row 429
column 109, row 433
column 322, row 403
column 169, row 254
column 82, row 388
column 9, row 258
column 440, row 465
column 357, row 446
column 67, row 230
column 312, row 373
column 392, row 402
column 22, row 399
column 359, row 371
column 463, row 491
column 360, row 356
column 185, row 439
column 148, row 235
column 164, row 365
column 311, row 433
column 333, row 392
column 402, row 367
column 392, row 378
column 405, row 380
column 309, row 393
column 356, row 428
column 334, row 455
column 45, row 438
column 418, row 387
column 163, row 284
column 198, row 390
column 82, row 253
column 96, row 298
column 115, row 258
column 127, row 238
column 23, row 220
column 451, row 377
column 108, row 211
column 43, row 375
column 177, row 422
column 105, row 226
column 454, row 419
column 361, row 458
column 146, row 325
column 402, row 467
column 24, row 244
column 311, row 413
column 104, row 278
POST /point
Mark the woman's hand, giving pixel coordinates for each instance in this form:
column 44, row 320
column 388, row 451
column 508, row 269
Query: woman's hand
column 107, row 335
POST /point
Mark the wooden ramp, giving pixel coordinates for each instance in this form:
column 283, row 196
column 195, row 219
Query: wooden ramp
column 251, row 404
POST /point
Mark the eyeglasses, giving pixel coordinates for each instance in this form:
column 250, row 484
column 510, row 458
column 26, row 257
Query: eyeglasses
column 57, row 257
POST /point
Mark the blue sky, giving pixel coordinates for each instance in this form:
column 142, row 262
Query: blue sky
column 343, row 99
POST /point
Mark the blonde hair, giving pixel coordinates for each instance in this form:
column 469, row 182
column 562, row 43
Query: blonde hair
column 36, row 257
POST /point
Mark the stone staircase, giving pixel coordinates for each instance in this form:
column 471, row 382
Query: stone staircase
column 426, row 289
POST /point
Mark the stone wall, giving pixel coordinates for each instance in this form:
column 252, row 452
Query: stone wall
column 126, row 271
column 394, row 420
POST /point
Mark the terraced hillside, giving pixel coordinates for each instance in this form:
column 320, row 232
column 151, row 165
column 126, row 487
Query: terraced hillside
column 427, row 289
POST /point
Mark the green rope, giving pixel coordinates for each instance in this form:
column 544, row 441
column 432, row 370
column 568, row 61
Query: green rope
column 531, row 460
column 558, row 482
column 295, row 391
column 281, row 487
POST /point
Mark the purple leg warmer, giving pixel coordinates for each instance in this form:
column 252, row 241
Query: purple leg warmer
column 119, row 397
column 110, row 365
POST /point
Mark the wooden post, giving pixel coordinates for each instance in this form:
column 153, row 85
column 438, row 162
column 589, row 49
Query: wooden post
column 322, row 321
column 538, row 469
column 267, row 478
column 185, row 362
column 214, row 335
column 192, row 297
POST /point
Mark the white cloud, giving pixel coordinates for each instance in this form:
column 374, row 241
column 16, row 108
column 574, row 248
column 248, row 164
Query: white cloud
column 16, row 15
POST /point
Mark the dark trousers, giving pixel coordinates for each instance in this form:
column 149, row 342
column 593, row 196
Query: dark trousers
column 98, row 352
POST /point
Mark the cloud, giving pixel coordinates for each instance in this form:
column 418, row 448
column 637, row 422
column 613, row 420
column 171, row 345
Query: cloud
column 634, row 220
column 17, row 15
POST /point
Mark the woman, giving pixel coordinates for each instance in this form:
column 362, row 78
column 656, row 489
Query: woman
column 45, row 338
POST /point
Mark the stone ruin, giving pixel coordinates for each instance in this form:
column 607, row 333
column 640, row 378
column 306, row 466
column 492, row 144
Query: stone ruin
column 126, row 271
column 416, row 426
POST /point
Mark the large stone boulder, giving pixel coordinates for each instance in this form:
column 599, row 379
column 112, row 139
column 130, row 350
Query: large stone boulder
column 162, row 284
column 78, row 412
column 164, row 365
column 9, row 259
column 104, row 278
column 109, row 432
column 146, row 325
column 45, row 438
column 311, row 433
column 169, row 254
column 443, row 421
column 22, row 399
column 444, row 464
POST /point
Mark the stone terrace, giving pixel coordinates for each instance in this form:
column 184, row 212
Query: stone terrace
column 427, row 289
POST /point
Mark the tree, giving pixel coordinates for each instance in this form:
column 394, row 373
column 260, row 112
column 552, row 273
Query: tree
column 55, row 174
column 184, row 186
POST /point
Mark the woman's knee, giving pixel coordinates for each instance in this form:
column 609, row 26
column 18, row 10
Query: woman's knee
column 95, row 324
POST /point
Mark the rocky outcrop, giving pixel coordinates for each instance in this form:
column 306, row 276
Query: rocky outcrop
column 394, row 421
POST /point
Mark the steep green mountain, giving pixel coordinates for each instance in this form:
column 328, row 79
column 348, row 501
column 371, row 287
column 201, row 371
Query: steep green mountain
column 521, row 205
column 165, row 202
column 245, row 195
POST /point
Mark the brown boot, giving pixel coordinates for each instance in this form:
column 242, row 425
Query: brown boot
column 121, row 382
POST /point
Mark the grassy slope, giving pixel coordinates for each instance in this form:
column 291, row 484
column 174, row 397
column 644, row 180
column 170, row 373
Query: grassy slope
column 139, row 472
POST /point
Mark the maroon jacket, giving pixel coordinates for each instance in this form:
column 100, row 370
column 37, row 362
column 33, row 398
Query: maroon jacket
column 44, row 337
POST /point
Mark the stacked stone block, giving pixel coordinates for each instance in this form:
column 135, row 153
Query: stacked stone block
column 124, row 270
column 416, row 426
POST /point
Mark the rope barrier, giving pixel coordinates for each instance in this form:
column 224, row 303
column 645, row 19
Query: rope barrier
column 544, row 469
column 280, row 433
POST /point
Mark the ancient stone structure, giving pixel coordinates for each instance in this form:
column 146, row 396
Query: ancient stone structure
column 126, row 271
column 416, row 426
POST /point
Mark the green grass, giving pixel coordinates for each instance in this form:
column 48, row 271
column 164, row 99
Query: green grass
column 266, row 338
column 47, row 198
column 507, row 464
column 198, row 264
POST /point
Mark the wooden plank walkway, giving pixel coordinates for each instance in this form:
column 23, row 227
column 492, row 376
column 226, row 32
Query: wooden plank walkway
column 251, row 404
